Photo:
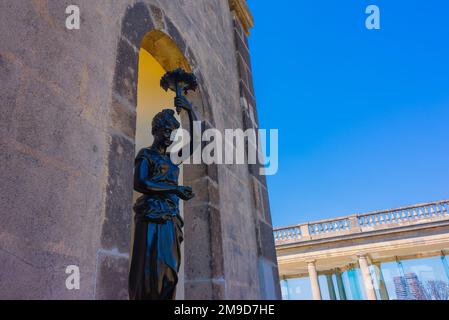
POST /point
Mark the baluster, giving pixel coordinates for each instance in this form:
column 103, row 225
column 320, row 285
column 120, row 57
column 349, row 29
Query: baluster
column 415, row 214
column 391, row 216
column 398, row 217
column 426, row 212
column 376, row 219
column 340, row 224
column 432, row 212
column 420, row 213
column 409, row 214
column 438, row 209
column 403, row 215
column 381, row 218
column 444, row 209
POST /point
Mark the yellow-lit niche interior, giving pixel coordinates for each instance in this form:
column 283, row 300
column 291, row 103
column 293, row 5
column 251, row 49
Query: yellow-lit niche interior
column 151, row 98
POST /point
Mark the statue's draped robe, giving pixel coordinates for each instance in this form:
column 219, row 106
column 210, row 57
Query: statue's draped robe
column 158, row 232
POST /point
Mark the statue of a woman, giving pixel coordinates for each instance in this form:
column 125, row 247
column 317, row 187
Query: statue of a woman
column 156, row 253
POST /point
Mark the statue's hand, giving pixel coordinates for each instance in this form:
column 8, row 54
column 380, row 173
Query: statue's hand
column 181, row 102
column 185, row 193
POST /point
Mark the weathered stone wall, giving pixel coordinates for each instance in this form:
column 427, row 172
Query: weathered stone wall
column 67, row 126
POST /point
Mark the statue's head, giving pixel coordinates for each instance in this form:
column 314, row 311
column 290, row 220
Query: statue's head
column 164, row 123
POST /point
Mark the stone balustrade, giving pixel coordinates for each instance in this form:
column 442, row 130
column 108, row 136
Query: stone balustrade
column 365, row 222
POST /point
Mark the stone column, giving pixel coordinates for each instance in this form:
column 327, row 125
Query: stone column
column 381, row 282
column 330, row 286
column 340, row 286
column 445, row 264
column 367, row 280
column 313, row 276
column 286, row 287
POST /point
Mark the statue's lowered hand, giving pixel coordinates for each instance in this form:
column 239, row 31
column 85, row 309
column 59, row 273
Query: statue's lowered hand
column 185, row 193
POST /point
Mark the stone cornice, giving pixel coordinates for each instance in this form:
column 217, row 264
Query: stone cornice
column 242, row 12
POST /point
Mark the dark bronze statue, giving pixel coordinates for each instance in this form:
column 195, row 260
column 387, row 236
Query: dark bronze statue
column 158, row 233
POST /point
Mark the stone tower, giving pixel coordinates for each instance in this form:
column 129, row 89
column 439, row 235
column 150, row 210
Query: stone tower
column 67, row 144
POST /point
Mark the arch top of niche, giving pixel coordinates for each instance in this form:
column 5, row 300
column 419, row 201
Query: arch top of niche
column 164, row 50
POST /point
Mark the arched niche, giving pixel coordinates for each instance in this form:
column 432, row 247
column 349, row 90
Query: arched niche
column 157, row 55
column 145, row 28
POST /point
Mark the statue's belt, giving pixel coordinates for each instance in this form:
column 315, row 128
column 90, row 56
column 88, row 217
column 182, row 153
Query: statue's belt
column 161, row 218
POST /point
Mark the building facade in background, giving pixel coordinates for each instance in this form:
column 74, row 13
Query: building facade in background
column 394, row 254
column 69, row 128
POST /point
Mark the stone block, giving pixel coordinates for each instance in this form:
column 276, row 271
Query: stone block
column 125, row 77
column 217, row 259
column 29, row 273
column 47, row 205
column 158, row 17
column 175, row 35
column 199, row 290
column 112, row 277
column 242, row 49
column 123, row 118
column 10, row 77
column 197, row 245
column 45, row 122
column 266, row 242
column 136, row 23
column 117, row 223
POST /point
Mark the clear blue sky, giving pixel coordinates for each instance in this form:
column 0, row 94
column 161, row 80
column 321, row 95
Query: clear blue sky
column 363, row 115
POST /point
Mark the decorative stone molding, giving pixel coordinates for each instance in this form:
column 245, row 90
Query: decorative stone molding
column 242, row 12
